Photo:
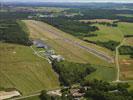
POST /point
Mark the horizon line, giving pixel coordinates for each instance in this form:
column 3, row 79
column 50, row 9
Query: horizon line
column 64, row 2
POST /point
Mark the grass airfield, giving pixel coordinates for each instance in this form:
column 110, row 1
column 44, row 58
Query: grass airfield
column 69, row 51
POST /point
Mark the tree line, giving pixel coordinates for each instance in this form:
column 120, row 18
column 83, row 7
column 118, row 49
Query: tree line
column 12, row 32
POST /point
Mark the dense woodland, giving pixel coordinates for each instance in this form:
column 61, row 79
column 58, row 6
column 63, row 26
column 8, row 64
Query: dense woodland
column 111, row 45
column 100, row 14
column 126, row 50
column 73, row 27
column 71, row 73
column 101, row 90
column 12, row 32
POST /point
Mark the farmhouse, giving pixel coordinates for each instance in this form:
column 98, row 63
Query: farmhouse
column 7, row 95
column 76, row 94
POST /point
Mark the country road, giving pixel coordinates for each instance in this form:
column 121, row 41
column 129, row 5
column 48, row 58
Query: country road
column 23, row 97
column 91, row 50
column 35, row 94
column 117, row 61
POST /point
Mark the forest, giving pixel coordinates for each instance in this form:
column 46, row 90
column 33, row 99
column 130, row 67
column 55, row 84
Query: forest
column 73, row 27
column 126, row 50
column 12, row 32
column 71, row 72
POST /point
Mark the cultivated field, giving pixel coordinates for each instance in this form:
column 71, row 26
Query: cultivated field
column 20, row 68
column 129, row 41
column 126, row 68
column 68, row 50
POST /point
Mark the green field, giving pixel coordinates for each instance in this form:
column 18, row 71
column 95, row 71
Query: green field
column 126, row 67
column 126, row 28
column 128, row 41
column 20, row 68
column 106, row 33
column 103, row 73
column 125, row 15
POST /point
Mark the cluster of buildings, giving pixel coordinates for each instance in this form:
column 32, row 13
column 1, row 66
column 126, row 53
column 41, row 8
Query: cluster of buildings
column 49, row 53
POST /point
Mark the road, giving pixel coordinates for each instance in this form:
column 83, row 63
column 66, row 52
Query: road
column 23, row 97
column 37, row 53
column 117, row 60
column 35, row 94
column 93, row 51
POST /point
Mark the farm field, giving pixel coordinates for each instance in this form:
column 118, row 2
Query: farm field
column 129, row 41
column 126, row 67
column 106, row 33
column 21, row 69
column 103, row 73
column 126, row 28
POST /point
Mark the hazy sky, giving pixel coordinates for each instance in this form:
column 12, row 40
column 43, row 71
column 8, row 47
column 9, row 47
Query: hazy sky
column 128, row 1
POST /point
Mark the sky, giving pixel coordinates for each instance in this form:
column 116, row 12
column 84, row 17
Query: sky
column 118, row 1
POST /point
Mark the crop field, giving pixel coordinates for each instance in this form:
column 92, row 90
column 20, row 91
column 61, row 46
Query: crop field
column 128, row 41
column 68, row 50
column 126, row 68
column 20, row 68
